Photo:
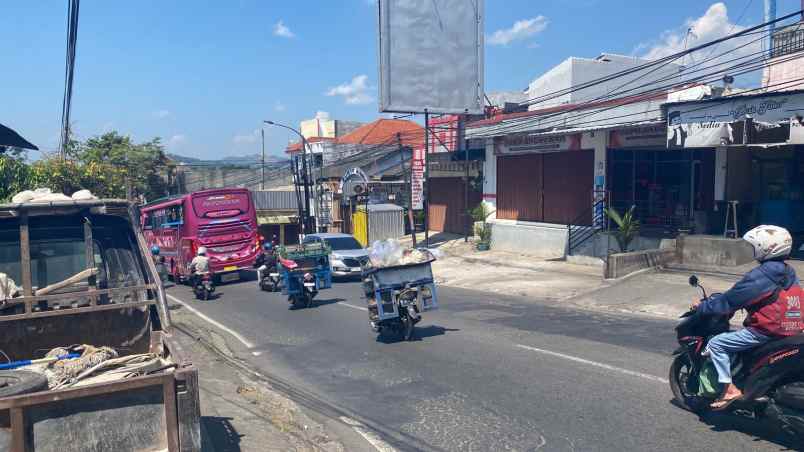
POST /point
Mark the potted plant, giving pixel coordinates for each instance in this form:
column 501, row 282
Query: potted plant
column 627, row 227
column 482, row 228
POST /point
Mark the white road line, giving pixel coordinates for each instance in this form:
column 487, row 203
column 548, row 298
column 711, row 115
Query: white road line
column 217, row 324
column 368, row 435
column 595, row 363
column 352, row 306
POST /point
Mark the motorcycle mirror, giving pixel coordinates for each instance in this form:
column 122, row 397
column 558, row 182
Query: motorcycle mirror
column 693, row 281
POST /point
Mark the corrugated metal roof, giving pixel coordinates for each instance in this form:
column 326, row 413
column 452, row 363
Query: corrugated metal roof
column 275, row 200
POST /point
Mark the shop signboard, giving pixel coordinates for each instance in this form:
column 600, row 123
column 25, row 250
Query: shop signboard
column 644, row 136
column 720, row 122
column 524, row 143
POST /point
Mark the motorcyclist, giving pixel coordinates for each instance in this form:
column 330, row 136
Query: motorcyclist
column 769, row 293
column 199, row 265
column 159, row 262
column 265, row 261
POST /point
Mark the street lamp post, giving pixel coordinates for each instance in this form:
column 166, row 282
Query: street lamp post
column 307, row 226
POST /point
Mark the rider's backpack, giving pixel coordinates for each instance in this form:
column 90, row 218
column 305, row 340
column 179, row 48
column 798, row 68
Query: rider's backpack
column 779, row 314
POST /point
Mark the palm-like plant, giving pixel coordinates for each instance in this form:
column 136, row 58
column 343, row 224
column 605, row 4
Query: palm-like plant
column 627, row 227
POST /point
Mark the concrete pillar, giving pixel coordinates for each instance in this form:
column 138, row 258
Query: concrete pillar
column 282, row 233
column 721, row 167
column 490, row 177
column 598, row 140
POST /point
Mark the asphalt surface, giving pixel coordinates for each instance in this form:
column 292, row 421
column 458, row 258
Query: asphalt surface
column 485, row 372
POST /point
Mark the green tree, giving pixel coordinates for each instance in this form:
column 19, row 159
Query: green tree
column 627, row 227
column 14, row 174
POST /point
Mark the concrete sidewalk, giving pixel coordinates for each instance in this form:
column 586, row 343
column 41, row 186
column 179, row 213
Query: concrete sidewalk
column 539, row 277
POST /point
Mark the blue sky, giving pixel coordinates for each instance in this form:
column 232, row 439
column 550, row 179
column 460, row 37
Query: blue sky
column 203, row 74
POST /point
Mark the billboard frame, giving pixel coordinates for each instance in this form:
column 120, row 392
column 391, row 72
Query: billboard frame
column 383, row 58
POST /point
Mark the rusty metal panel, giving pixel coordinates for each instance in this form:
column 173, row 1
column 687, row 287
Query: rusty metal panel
column 448, row 209
column 519, row 187
column 568, row 180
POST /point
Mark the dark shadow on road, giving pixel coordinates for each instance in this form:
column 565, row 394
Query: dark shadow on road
column 318, row 303
column 431, row 331
column 759, row 429
column 221, row 435
column 419, row 334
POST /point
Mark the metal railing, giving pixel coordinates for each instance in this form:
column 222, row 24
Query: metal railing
column 579, row 233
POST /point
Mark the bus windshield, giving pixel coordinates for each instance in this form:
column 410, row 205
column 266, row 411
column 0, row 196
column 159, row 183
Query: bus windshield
column 221, row 205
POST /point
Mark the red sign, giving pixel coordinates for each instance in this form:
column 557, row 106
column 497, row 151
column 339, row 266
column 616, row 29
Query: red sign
column 444, row 133
column 417, row 179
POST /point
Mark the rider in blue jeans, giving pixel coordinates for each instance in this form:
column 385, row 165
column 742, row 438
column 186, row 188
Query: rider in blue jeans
column 772, row 245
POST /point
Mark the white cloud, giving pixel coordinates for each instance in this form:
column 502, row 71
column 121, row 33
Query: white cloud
column 279, row 106
column 161, row 114
column 176, row 140
column 354, row 92
column 520, row 30
column 280, row 29
column 247, row 138
column 714, row 24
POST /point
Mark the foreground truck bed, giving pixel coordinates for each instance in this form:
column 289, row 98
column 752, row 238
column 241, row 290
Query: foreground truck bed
column 120, row 306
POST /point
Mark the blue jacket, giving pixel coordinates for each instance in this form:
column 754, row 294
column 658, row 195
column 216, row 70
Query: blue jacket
column 756, row 284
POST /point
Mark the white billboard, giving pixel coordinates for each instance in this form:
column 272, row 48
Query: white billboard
column 431, row 56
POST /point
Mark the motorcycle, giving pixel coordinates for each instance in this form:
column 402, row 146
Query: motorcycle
column 770, row 376
column 203, row 286
column 304, row 297
column 269, row 281
column 402, row 326
column 398, row 295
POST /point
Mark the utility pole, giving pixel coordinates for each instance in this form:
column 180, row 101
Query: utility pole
column 304, row 217
column 408, row 176
column 262, row 184
column 467, row 224
column 426, row 194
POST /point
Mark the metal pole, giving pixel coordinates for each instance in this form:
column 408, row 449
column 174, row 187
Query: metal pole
column 426, row 190
column 307, row 225
column 467, row 224
column 262, row 184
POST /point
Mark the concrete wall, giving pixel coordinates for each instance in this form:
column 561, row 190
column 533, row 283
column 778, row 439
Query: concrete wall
column 575, row 71
column 623, row 264
column 538, row 239
column 713, row 251
column 490, row 177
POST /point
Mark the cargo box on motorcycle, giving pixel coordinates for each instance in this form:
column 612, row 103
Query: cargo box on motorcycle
column 384, row 284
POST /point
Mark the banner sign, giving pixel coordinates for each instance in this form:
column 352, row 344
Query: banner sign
column 651, row 135
column 417, row 179
column 721, row 122
column 522, row 143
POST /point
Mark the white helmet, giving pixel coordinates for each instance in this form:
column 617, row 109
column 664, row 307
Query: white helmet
column 769, row 242
column 202, row 251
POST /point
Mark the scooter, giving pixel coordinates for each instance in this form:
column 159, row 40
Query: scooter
column 770, row 376
column 203, row 286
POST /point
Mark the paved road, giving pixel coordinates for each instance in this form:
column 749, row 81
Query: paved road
column 486, row 373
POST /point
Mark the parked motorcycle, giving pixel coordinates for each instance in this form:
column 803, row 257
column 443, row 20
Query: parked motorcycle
column 771, row 376
column 203, row 286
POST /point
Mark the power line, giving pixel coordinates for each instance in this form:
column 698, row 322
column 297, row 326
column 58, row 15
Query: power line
column 69, row 70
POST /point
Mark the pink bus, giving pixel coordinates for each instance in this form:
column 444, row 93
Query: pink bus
column 223, row 220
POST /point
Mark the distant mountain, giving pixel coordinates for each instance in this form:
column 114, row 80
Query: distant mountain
column 230, row 160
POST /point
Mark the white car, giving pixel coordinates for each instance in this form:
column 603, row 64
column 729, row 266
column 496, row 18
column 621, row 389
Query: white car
column 348, row 255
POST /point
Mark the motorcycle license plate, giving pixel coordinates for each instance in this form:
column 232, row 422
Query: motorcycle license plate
column 274, row 275
column 230, row 268
column 309, row 284
column 230, row 277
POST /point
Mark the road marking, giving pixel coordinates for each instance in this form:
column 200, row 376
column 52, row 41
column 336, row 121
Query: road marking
column 595, row 363
column 217, row 324
column 368, row 435
column 353, row 306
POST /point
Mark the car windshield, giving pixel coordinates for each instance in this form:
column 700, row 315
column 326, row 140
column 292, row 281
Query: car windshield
column 343, row 243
